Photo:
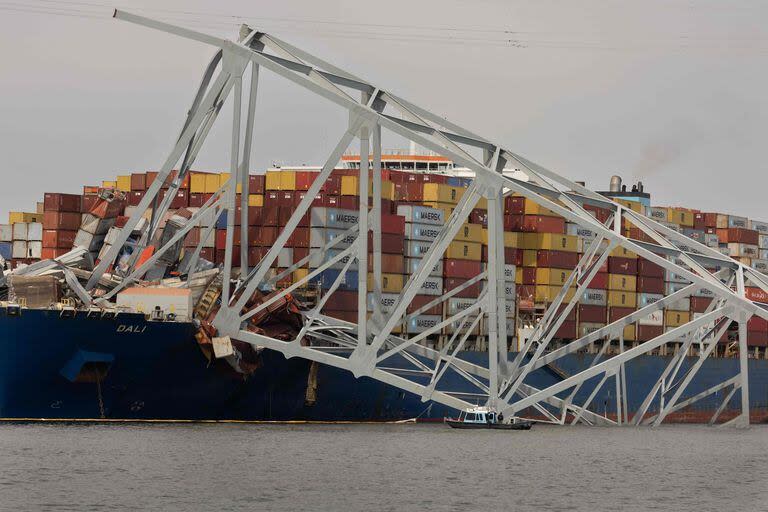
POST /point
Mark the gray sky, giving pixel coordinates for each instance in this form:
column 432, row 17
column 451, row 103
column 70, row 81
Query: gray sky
column 673, row 92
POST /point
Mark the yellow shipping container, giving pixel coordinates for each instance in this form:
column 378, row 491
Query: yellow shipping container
column 623, row 252
column 440, row 193
column 482, row 204
column 212, row 183
column 529, row 258
column 547, row 293
column 464, row 251
column 550, row 241
column 447, row 208
column 40, row 208
column 554, row 276
column 622, row 282
column 14, row 217
column 470, row 233
column 635, row 206
column 622, row 299
column 390, row 283
column 272, row 180
column 518, row 275
column 629, row 333
column 350, row 186
column 108, row 184
column 288, row 180
column 674, row 318
column 197, row 183
column 511, row 239
column 680, row 216
column 532, row 208
column 256, row 200
column 124, row 183
column 299, row 274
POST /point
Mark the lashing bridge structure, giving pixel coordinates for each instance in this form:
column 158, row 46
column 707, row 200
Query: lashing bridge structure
column 369, row 347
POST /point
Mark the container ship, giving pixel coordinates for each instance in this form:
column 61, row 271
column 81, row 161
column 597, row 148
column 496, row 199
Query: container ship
column 147, row 355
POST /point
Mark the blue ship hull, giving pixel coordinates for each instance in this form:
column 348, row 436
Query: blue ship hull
column 157, row 371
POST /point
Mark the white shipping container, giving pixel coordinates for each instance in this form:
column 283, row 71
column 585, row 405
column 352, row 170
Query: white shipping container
column 510, row 291
column 703, row 292
column 762, row 242
column 594, row 297
column 414, row 249
column 35, row 249
column 655, row 318
column 580, row 231
column 387, row 302
column 104, row 249
column 760, row 227
column 587, row 328
column 457, row 305
column 333, row 218
column 659, row 214
column 6, row 233
column 763, row 254
column 285, row 257
column 35, row 232
column 681, row 305
column 177, row 301
column 672, row 277
column 422, row 214
column 421, row 323
column 670, row 288
column 761, row 265
column 509, row 273
column 412, row 265
column 316, row 259
column 711, row 239
column 19, row 250
column 89, row 241
column 742, row 250
column 20, row 231
column 646, row 299
column 738, row 222
column 111, row 236
column 421, row 232
column 97, row 226
column 670, row 225
column 319, row 237
column 431, row 286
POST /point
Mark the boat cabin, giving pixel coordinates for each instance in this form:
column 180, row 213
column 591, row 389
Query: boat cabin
column 478, row 415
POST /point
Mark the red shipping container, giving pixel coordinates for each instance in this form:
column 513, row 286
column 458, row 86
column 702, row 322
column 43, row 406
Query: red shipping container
column 650, row 285
column 529, row 275
column 617, row 313
column 649, row 269
column 208, row 254
column 512, row 256
column 61, row 220
column 135, row 197
column 422, row 300
column 514, row 205
column 272, row 198
column 543, row 224
column 738, row 235
column 196, row 200
column 58, row 238
column 391, row 243
column 756, row 294
column 478, row 216
column 300, row 253
column 220, row 239
column 192, row 238
column 255, row 255
column 299, row 238
column 343, row 300
column 49, row 253
column 757, row 323
column 513, row 222
column 557, row 259
column 617, row 265
column 89, row 202
column 286, row 212
column 648, row 332
column 151, row 177
column 705, row 220
column 590, row 313
column 347, row 316
column 256, row 183
column 266, row 235
column 287, row 198
column 349, row 202
column 638, row 234
column 392, row 224
column 55, row 202
column 464, row 269
column 472, row 291
column 600, row 281
column 700, row 304
column 269, row 216
column 181, row 200
column 567, row 330
column 220, row 253
column 304, row 179
column 332, row 185
column 138, row 182
column 757, row 338
column 601, row 214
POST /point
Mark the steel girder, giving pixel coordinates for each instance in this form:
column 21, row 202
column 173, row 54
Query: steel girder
column 369, row 347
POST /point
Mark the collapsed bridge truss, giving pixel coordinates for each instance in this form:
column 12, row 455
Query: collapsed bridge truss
column 369, row 347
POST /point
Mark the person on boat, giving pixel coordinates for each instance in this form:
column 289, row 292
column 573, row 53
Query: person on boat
column 500, row 417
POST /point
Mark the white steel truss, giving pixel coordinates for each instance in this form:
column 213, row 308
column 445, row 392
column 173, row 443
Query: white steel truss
column 369, row 347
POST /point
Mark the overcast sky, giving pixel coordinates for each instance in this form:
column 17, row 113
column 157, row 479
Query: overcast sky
column 672, row 92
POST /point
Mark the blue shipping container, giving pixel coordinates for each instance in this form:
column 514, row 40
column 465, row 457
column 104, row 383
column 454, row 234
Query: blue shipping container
column 6, row 248
column 349, row 282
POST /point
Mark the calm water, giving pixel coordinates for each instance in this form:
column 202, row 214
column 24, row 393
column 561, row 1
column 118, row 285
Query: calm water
column 383, row 467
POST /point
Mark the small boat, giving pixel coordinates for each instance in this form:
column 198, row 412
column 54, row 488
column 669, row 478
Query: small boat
column 485, row 418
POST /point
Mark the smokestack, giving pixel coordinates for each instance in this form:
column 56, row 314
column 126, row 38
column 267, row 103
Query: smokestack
column 615, row 184
column 639, row 186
